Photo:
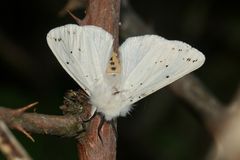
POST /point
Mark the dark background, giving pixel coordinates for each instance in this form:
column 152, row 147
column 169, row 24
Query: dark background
column 162, row 126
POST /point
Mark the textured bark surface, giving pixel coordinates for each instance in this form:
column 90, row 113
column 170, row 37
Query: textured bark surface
column 66, row 126
column 9, row 145
column 90, row 146
column 105, row 14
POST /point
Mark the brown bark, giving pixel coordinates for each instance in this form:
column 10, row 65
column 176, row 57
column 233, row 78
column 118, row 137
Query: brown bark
column 9, row 145
column 105, row 14
column 66, row 126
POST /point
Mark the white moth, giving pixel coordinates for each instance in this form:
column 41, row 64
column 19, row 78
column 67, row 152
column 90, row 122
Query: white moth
column 148, row 63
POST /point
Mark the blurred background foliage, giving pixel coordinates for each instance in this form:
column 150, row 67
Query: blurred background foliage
column 161, row 126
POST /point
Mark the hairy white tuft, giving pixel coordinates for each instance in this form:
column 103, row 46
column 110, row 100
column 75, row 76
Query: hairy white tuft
column 109, row 102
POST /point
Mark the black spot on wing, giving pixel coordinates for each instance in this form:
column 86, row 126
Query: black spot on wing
column 195, row 60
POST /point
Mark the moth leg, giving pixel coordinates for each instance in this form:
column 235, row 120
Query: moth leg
column 100, row 127
column 100, row 124
column 113, row 124
column 102, row 121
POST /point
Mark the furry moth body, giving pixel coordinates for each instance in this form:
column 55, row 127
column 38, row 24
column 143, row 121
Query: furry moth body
column 147, row 64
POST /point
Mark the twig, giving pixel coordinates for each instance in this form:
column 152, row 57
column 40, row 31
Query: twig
column 226, row 131
column 9, row 145
column 66, row 126
column 191, row 89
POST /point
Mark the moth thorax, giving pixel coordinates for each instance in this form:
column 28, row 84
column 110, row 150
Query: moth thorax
column 114, row 66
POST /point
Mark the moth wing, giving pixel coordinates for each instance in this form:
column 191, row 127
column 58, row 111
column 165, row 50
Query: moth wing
column 83, row 51
column 151, row 62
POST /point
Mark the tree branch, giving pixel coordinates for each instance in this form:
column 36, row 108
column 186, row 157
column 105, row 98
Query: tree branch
column 9, row 145
column 66, row 126
column 226, row 132
column 191, row 89
column 105, row 14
